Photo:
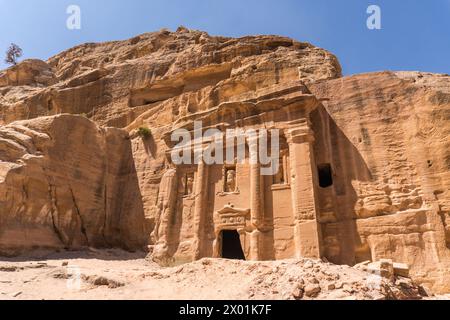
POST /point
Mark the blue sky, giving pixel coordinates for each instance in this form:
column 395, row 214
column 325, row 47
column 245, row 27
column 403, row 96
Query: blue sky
column 415, row 34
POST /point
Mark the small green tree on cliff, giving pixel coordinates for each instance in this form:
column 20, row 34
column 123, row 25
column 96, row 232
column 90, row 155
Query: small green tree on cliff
column 13, row 53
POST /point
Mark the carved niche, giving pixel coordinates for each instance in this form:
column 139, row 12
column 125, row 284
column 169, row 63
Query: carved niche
column 188, row 184
column 230, row 179
column 281, row 179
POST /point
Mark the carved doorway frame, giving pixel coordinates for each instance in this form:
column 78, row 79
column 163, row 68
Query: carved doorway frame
column 230, row 218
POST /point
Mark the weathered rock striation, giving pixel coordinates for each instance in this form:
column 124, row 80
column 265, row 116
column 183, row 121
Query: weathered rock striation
column 66, row 183
column 365, row 160
column 390, row 152
column 115, row 82
column 113, row 274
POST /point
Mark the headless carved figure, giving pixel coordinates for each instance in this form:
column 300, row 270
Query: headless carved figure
column 231, row 181
column 165, row 209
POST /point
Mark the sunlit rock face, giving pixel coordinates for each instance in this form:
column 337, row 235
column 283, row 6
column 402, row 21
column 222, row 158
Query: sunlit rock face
column 66, row 183
column 364, row 160
column 115, row 82
column 390, row 153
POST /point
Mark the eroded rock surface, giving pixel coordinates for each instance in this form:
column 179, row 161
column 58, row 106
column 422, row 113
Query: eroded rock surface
column 33, row 72
column 390, row 140
column 71, row 181
column 67, row 183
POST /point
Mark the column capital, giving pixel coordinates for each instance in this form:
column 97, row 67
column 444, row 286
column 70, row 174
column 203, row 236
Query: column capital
column 299, row 135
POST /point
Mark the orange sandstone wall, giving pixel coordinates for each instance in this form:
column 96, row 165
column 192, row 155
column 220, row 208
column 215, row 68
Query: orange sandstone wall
column 386, row 136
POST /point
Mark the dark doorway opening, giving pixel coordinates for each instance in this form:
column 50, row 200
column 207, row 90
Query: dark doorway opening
column 231, row 245
column 325, row 175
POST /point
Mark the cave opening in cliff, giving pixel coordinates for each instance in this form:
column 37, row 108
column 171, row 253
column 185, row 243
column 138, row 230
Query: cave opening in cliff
column 325, row 175
column 231, row 245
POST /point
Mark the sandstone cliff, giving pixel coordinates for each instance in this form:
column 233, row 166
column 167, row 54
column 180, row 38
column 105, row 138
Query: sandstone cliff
column 70, row 181
column 67, row 183
column 152, row 80
column 387, row 133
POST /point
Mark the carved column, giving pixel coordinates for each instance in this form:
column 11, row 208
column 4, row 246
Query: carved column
column 256, row 201
column 200, row 208
column 304, row 198
column 166, row 206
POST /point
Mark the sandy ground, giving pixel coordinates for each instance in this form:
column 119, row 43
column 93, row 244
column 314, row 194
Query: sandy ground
column 116, row 274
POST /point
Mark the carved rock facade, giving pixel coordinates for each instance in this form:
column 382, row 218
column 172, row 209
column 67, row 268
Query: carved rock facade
column 364, row 169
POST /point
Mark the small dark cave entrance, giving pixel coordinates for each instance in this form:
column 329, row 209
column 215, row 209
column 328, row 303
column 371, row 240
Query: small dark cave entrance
column 231, row 245
column 325, row 175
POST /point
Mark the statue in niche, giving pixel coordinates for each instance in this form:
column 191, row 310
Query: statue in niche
column 165, row 210
column 230, row 185
column 279, row 176
column 189, row 184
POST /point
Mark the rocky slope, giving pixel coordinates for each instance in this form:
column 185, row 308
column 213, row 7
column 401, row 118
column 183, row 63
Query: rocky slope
column 107, row 275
